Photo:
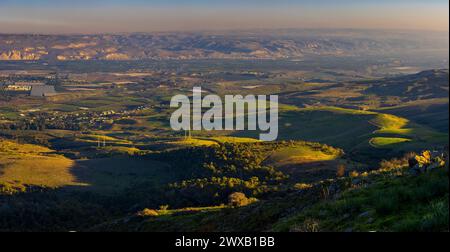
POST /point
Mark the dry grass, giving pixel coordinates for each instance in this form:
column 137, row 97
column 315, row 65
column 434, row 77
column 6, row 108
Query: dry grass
column 26, row 164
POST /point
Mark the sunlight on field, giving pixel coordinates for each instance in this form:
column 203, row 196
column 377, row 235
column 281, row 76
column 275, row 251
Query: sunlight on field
column 25, row 165
column 227, row 139
column 209, row 141
column 299, row 155
column 339, row 110
column 91, row 138
column 32, row 165
column 12, row 148
column 387, row 142
column 406, row 131
column 188, row 210
column 351, row 128
column 193, row 142
column 389, row 122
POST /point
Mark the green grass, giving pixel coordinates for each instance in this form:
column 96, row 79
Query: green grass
column 94, row 138
column 24, row 165
column 339, row 110
column 401, row 204
column 60, row 107
column 209, row 141
column 151, row 220
column 386, row 121
column 120, row 150
column 171, row 212
column 354, row 129
column 299, row 154
column 329, row 126
column 431, row 112
column 9, row 113
column 387, row 142
column 104, row 103
column 192, row 142
column 391, row 202
column 229, row 139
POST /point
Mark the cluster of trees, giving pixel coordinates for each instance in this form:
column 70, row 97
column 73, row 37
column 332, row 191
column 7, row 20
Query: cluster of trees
column 208, row 175
column 4, row 95
column 229, row 173
column 38, row 123
column 236, row 160
column 42, row 209
column 211, row 174
column 75, row 122
column 216, row 190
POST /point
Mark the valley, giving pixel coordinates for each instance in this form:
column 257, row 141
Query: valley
column 101, row 149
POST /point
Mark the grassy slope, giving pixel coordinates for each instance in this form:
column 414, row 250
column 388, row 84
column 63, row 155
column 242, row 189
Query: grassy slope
column 299, row 154
column 23, row 165
column 432, row 112
column 392, row 201
column 380, row 142
column 402, row 204
column 354, row 129
column 208, row 141
column 308, row 163
column 33, row 165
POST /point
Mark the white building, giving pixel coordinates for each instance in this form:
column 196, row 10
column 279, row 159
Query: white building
column 42, row 91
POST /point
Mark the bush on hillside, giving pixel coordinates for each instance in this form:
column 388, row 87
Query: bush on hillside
column 239, row 199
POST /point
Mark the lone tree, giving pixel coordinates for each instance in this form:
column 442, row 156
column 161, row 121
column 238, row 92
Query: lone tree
column 340, row 172
column 238, row 199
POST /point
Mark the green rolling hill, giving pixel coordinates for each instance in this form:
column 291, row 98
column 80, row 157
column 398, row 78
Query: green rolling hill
column 357, row 131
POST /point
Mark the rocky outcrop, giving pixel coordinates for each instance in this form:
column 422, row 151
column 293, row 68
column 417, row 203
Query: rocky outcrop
column 20, row 55
column 116, row 56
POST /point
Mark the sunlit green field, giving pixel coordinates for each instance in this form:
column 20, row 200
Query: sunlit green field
column 25, row 164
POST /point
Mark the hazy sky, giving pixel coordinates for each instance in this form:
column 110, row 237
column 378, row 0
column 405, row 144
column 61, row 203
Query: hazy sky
column 105, row 16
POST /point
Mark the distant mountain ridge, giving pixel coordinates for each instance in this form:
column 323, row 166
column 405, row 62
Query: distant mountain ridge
column 207, row 45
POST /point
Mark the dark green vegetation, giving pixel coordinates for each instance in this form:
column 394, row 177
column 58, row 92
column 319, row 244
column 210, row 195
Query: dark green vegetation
column 404, row 204
column 100, row 155
column 112, row 187
column 389, row 199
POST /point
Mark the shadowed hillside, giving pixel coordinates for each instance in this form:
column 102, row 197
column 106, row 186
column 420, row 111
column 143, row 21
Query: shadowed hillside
column 424, row 85
column 384, row 200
